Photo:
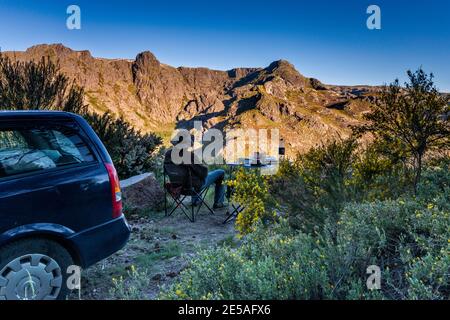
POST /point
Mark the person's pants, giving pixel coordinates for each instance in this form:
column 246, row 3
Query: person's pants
column 215, row 176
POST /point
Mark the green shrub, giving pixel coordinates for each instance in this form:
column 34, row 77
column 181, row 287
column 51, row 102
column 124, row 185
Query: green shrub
column 133, row 288
column 130, row 150
column 316, row 185
column 294, row 199
column 407, row 240
column 428, row 276
column 377, row 176
column 403, row 237
column 435, row 184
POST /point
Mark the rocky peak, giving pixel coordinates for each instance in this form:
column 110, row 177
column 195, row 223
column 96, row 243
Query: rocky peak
column 316, row 84
column 55, row 50
column 280, row 64
column 287, row 72
column 57, row 47
column 146, row 62
column 148, row 58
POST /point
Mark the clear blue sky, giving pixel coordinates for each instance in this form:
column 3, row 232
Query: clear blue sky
column 323, row 39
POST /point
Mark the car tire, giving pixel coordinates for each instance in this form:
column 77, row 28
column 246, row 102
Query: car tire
column 34, row 269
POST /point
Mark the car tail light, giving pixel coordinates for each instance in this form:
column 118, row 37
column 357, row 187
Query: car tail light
column 115, row 190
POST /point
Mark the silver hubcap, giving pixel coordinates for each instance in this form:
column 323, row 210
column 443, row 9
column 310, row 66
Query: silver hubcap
column 31, row 277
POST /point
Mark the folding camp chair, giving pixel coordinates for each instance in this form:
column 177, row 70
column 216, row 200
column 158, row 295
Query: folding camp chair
column 233, row 208
column 179, row 193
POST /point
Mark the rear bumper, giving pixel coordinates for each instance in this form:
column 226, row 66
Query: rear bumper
column 100, row 242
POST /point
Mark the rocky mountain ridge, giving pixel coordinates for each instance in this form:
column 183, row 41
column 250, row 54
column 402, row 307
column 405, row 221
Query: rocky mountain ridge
column 158, row 97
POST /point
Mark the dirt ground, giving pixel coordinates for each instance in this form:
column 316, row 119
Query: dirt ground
column 159, row 246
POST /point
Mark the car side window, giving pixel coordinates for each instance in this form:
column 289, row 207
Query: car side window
column 25, row 150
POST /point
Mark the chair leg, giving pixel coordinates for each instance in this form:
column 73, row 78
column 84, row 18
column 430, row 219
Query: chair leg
column 165, row 202
column 188, row 212
column 202, row 195
column 178, row 203
column 191, row 212
column 211, row 211
column 165, row 192
column 234, row 213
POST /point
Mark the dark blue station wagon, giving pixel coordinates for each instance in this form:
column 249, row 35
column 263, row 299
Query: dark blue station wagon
column 60, row 203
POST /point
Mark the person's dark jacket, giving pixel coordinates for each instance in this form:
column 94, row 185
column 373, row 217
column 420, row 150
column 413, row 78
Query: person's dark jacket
column 179, row 173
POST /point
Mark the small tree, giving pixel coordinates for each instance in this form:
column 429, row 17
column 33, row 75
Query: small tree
column 327, row 170
column 414, row 117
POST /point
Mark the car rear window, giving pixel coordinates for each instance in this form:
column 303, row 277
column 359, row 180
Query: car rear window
column 26, row 150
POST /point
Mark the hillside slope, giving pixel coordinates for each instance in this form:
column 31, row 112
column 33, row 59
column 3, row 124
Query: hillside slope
column 157, row 97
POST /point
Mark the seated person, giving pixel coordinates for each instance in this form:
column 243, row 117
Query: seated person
column 201, row 178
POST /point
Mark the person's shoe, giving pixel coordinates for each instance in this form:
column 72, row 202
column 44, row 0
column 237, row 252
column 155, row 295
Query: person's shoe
column 218, row 205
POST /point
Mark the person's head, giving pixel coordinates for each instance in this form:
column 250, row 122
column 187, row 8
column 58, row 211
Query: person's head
column 176, row 140
column 182, row 136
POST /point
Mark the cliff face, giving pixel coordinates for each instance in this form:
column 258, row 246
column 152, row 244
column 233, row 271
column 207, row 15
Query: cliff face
column 154, row 96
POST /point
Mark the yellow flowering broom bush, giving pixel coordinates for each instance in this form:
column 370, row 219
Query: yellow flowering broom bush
column 250, row 190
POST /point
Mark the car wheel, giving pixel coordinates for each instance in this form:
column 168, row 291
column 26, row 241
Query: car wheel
column 33, row 270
